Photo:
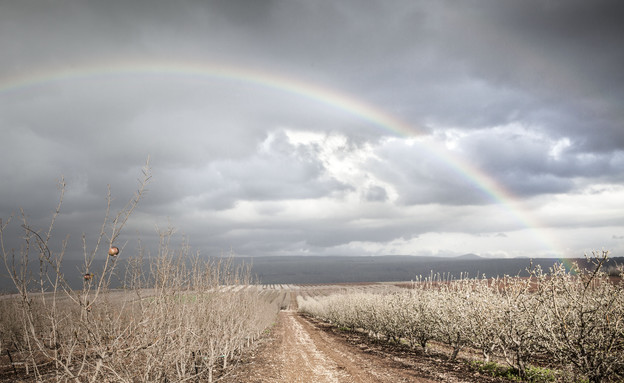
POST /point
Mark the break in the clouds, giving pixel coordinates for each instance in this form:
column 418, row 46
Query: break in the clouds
column 504, row 133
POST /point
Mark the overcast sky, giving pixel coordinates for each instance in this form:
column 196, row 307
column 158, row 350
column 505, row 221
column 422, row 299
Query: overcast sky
column 339, row 127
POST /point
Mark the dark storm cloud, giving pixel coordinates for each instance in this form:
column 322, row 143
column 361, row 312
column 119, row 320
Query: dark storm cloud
column 553, row 64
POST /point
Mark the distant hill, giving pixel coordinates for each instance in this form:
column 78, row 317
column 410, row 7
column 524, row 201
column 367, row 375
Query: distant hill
column 469, row 256
column 337, row 269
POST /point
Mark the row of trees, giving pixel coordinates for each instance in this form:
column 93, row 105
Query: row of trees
column 178, row 317
column 574, row 318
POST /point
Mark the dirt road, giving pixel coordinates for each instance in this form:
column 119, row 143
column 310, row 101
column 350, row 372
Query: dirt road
column 303, row 350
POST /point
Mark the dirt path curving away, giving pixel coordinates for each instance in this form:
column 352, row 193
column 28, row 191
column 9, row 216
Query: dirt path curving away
column 299, row 351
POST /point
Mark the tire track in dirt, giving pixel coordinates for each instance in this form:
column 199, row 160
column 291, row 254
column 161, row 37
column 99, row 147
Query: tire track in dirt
column 301, row 359
column 359, row 367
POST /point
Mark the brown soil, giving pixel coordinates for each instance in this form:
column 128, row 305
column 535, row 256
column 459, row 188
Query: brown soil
column 301, row 349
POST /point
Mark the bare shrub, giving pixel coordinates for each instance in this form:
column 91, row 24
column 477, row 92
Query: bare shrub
column 186, row 318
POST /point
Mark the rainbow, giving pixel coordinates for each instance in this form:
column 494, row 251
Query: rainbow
column 567, row 263
column 324, row 95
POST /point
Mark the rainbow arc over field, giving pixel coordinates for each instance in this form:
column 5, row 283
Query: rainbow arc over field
column 327, row 96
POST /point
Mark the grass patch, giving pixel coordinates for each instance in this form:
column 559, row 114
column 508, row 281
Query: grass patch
column 533, row 374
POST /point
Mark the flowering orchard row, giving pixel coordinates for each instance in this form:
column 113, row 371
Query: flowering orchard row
column 574, row 318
